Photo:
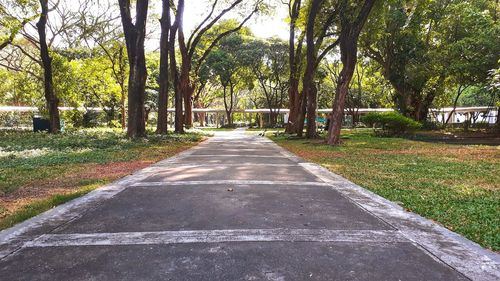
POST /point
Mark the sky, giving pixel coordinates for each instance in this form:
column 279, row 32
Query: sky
column 265, row 26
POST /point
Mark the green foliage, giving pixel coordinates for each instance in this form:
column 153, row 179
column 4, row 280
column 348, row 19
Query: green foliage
column 82, row 82
column 16, row 119
column 427, row 49
column 14, row 14
column 392, row 123
column 20, row 88
column 368, row 88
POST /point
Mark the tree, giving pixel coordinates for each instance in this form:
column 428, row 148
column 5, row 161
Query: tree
column 352, row 20
column 50, row 96
column 134, row 37
column 231, row 63
column 114, row 51
column 295, row 57
column 206, row 92
column 174, row 72
column 401, row 38
column 188, row 49
column 321, row 38
column 166, row 25
column 58, row 25
column 270, row 68
column 422, row 44
column 309, row 94
column 472, row 47
column 103, row 29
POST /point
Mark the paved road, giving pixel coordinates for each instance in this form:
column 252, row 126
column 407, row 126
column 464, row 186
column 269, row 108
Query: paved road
column 237, row 207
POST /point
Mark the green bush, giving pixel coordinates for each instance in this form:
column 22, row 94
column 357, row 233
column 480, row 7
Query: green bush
column 229, row 126
column 481, row 125
column 392, row 123
column 16, row 119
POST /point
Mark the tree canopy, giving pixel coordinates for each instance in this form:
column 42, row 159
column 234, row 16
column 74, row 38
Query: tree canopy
column 413, row 55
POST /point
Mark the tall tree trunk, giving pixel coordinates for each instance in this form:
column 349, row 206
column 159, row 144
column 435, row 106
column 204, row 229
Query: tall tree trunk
column 461, row 89
column 187, row 90
column 348, row 42
column 229, row 107
column 162, row 125
column 50, row 96
column 309, row 89
column 312, row 103
column 293, row 105
column 123, row 90
column 201, row 115
column 294, row 56
column 123, row 119
column 134, row 37
column 338, row 106
column 301, row 114
column 179, row 124
column 185, row 85
column 411, row 101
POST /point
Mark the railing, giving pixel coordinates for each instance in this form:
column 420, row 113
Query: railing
column 259, row 110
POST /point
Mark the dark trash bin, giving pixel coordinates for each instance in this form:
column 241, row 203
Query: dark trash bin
column 40, row 124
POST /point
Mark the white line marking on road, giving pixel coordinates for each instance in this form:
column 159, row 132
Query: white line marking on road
column 230, row 182
column 238, row 155
column 217, row 236
column 218, row 148
column 221, row 166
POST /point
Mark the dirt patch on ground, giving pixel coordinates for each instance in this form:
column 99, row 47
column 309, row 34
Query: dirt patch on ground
column 308, row 154
column 459, row 153
column 108, row 171
column 460, row 138
column 67, row 183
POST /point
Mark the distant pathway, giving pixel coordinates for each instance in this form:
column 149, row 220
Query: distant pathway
column 237, row 207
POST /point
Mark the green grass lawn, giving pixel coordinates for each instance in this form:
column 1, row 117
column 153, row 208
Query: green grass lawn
column 39, row 171
column 455, row 185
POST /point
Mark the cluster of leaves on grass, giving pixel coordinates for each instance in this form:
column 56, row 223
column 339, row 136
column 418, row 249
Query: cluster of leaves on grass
column 455, row 185
column 392, row 123
column 27, row 156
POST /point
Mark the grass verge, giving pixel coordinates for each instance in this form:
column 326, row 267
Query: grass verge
column 39, row 206
column 457, row 186
column 39, row 171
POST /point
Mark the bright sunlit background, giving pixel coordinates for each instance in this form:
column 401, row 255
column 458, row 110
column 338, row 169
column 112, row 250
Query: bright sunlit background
column 272, row 24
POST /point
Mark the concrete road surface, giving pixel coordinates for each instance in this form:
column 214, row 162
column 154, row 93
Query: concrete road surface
column 237, row 207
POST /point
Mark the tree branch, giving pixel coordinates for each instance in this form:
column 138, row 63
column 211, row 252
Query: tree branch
column 222, row 35
column 197, row 39
column 190, row 40
column 326, row 51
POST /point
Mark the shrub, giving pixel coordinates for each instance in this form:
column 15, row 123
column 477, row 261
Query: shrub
column 433, row 125
column 16, row 119
column 371, row 119
column 481, row 125
column 392, row 123
column 229, row 126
